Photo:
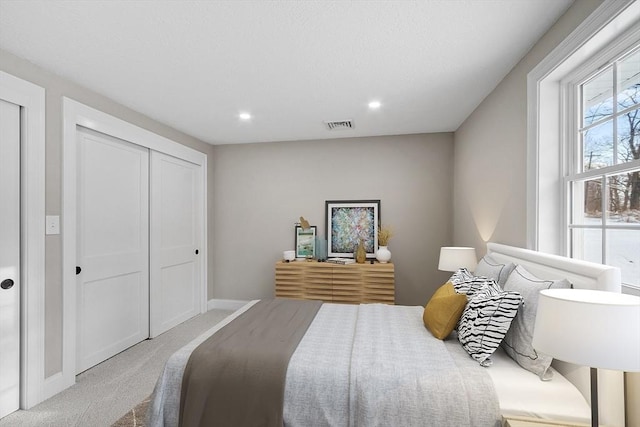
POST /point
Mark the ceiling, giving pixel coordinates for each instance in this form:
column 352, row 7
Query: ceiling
column 195, row 65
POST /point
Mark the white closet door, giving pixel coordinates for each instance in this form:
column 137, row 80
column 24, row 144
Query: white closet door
column 9, row 258
column 176, row 206
column 112, row 246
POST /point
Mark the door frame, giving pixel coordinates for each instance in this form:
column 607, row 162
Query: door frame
column 77, row 114
column 31, row 99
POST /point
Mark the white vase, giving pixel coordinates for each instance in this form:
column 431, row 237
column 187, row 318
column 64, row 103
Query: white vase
column 383, row 255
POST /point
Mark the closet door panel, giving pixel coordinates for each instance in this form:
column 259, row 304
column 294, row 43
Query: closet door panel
column 112, row 247
column 175, row 241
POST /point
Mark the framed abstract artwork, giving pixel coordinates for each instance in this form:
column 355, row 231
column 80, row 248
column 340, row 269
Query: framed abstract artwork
column 305, row 242
column 349, row 222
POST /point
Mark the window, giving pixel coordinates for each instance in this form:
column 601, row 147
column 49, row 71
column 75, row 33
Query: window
column 583, row 114
column 603, row 168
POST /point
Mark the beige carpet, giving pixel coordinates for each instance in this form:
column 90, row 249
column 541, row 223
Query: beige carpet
column 135, row 417
column 103, row 393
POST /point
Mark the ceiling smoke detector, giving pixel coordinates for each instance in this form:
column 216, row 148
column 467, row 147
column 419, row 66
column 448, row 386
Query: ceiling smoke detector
column 339, row 124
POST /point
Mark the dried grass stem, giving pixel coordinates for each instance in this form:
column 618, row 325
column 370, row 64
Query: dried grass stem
column 384, row 234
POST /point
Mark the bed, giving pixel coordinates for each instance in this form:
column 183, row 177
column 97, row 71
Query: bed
column 582, row 275
column 376, row 364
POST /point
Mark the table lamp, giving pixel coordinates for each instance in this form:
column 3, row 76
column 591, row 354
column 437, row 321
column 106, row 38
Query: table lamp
column 592, row 328
column 452, row 258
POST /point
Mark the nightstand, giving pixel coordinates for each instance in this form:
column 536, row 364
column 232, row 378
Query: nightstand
column 537, row 422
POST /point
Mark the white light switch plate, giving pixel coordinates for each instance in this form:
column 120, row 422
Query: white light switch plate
column 52, row 224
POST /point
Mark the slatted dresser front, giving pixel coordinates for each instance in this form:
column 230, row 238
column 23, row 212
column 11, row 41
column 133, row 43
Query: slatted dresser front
column 351, row 283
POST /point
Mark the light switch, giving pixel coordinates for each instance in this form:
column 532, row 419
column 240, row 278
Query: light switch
column 52, row 224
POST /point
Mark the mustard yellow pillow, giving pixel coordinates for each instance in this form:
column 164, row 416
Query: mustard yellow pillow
column 444, row 310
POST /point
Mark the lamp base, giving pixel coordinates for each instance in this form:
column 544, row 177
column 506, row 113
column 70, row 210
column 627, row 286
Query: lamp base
column 594, row 397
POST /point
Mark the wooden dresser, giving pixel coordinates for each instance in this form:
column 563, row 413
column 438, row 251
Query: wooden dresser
column 351, row 283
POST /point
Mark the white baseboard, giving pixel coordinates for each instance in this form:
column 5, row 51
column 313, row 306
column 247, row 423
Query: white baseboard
column 225, row 304
column 55, row 384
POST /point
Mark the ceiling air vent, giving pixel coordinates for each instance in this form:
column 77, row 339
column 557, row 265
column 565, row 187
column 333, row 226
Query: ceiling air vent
column 339, row 124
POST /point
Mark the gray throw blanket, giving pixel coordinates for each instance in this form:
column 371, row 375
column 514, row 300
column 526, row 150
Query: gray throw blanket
column 402, row 376
column 237, row 376
column 368, row 365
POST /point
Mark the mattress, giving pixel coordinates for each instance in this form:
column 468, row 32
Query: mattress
column 522, row 393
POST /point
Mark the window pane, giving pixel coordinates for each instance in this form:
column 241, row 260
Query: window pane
column 597, row 97
column 586, row 244
column 623, row 205
column 597, row 148
column 587, row 203
column 629, row 136
column 629, row 81
column 623, row 251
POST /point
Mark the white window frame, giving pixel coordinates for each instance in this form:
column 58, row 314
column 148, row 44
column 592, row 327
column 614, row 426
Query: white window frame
column 548, row 127
column 571, row 86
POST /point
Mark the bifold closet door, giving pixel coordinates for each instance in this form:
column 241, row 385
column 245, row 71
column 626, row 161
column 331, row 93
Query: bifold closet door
column 176, row 236
column 112, row 246
column 9, row 258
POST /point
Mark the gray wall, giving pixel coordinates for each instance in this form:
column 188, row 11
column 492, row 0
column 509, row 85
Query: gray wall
column 260, row 190
column 490, row 165
column 257, row 192
column 57, row 87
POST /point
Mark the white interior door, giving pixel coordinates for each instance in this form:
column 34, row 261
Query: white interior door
column 9, row 258
column 176, row 206
column 112, row 246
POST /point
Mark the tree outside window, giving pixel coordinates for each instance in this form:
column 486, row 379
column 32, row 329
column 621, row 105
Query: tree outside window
column 604, row 224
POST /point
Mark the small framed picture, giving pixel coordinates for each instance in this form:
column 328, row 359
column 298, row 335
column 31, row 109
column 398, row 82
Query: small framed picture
column 305, row 242
column 350, row 222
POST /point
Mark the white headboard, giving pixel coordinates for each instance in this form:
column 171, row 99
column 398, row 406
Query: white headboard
column 583, row 275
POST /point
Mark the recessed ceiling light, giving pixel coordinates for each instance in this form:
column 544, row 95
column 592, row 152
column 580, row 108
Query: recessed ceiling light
column 244, row 116
column 374, row 105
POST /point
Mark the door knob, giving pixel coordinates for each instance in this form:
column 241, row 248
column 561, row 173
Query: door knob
column 78, row 270
column 6, row 284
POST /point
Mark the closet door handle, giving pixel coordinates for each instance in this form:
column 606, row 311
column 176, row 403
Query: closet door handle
column 78, row 270
column 197, row 252
column 6, row 284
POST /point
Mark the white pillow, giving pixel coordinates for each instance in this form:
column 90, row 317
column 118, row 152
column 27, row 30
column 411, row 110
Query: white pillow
column 517, row 342
column 498, row 271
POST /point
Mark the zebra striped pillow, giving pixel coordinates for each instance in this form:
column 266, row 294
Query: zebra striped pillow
column 473, row 285
column 460, row 276
column 466, row 283
column 486, row 320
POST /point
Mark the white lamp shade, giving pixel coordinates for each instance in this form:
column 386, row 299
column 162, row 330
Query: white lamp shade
column 453, row 258
column 591, row 328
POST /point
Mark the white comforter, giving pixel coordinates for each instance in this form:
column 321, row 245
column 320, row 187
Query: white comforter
column 367, row 365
